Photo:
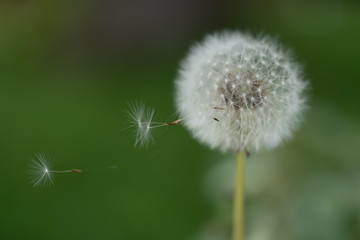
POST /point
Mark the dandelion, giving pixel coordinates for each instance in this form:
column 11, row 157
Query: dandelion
column 41, row 172
column 241, row 94
column 140, row 118
column 237, row 93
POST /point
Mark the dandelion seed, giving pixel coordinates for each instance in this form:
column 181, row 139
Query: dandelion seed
column 41, row 172
column 141, row 118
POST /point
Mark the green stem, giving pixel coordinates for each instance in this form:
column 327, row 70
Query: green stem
column 238, row 211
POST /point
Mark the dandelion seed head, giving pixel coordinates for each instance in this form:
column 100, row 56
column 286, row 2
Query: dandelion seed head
column 259, row 86
column 40, row 170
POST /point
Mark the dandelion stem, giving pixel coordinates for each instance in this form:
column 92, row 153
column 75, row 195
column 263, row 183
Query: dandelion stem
column 238, row 210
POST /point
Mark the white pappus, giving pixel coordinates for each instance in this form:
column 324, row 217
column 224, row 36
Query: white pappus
column 140, row 118
column 240, row 93
column 40, row 173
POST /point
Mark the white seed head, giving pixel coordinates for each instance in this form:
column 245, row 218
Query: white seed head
column 258, row 97
column 40, row 171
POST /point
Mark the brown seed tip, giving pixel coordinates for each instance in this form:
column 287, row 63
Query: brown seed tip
column 174, row 122
column 76, row 170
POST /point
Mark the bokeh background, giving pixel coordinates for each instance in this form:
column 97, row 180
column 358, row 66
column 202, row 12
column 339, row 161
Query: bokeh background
column 68, row 70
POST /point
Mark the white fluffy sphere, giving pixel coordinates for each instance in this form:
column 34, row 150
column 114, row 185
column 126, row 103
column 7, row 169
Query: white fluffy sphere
column 238, row 93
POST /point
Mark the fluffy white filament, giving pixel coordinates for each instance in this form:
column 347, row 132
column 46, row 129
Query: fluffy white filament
column 40, row 171
column 240, row 92
column 140, row 118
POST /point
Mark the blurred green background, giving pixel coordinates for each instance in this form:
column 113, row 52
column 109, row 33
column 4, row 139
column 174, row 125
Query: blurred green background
column 68, row 70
